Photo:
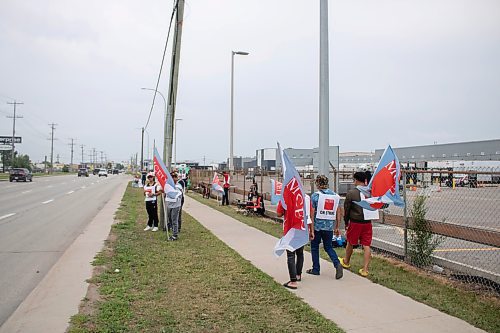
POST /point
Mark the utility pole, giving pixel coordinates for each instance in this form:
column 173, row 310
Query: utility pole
column 15, row 103
column 94, row 157
column 72, row 144
column 57, row 159
column 172, row 88
column 324, row 143
column 102, row 152
column 81, row 146
column 52, row 127
column 142, row 148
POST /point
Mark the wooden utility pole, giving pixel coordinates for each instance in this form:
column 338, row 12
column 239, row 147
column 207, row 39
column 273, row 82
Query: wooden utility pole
column 174, row 78
column 52, row 127
column 15, row 103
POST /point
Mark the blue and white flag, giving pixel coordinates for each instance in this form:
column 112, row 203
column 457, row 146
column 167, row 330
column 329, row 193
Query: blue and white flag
column 384, row 185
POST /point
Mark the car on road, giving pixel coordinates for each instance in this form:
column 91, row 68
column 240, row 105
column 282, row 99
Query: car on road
column 115, row 171
column 18, row 174
column 96, row 171
column 103, row 172
column 83, row 172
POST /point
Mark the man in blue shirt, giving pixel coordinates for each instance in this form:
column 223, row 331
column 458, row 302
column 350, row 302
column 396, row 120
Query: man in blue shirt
column 327, row 214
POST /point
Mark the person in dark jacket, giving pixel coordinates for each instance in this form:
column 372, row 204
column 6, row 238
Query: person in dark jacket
column 359, row 226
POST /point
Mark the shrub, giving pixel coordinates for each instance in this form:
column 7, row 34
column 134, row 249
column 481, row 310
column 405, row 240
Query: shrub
column 421, row 241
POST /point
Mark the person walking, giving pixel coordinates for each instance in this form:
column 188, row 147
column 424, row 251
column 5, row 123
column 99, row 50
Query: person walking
column 173, row 201
column 327, row 214
column 358, row 223
column 295, row 259
column 151, row 191
column 226, row 185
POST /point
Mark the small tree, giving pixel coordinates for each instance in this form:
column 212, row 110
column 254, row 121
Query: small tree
column 65, row 168
column 421, row 241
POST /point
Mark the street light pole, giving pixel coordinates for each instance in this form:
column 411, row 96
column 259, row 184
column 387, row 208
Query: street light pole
column 324, row 149
column 165, row 126
column 231, row 143
column 175, row 140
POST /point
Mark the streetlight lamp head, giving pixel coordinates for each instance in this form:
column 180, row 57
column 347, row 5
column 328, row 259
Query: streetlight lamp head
column 241, row 52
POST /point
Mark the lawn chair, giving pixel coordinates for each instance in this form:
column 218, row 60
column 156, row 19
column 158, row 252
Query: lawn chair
column 256, row 208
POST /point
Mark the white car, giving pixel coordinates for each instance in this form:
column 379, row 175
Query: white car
column 103, row 172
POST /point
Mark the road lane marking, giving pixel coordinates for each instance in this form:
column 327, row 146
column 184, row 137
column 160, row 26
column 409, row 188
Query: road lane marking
column 92, row 184
column 84, row 187
column 24, row 192
column 70, row 192
column 63, row 183
column 50, row 186
column 46, row 202
column 6, row 216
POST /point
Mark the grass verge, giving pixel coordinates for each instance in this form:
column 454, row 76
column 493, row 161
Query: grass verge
column 195, row 284
column 478, row 310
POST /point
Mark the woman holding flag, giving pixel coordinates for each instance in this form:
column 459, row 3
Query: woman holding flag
column 295, row 259
column 151, row 191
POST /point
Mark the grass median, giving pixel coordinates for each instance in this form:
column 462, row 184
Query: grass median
column 195, row 284
column 477, row 309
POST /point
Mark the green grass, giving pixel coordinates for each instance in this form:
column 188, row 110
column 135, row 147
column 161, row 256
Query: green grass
column 196, row 284
column 476, row 309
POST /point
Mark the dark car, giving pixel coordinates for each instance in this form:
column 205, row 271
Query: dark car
column 96, row 171
column 18, row 174
column 115, row 171
column 83, row 172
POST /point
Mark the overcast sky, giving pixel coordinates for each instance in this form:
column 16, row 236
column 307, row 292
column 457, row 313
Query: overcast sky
column 404, row 72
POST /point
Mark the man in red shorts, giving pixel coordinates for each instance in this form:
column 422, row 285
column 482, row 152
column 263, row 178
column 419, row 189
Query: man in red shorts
column 359, row 226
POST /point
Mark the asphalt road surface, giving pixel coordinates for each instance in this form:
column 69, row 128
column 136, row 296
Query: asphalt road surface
column 38, row 221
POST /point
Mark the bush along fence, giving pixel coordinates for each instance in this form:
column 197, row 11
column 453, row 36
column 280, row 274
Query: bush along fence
column 450, row 223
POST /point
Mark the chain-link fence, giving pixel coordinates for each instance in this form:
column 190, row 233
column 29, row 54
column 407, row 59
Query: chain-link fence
column 450, row 223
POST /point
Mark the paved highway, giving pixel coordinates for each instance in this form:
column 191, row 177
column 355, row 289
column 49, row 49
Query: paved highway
column 38, row 221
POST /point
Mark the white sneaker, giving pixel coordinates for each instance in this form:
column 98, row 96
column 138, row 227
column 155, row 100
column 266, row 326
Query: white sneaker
column 147, row 228
column 155, row 229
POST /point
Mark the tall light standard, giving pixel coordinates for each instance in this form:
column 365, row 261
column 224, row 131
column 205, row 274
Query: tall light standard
column 231, row 156
column 165, row 127
column 324, row 109
column 175, row 140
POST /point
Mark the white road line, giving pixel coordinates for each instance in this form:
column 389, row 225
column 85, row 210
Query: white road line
column 70, row 192
column 6, row 216
column 24, row 192
column 46, row 202
column 84, row 187
column 50, row 186
column 92, row 184
column 63, row 183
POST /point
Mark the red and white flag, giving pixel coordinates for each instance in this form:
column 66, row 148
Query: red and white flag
column 295, row 231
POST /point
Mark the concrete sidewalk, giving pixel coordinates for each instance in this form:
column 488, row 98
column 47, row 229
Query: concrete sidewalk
column 353, row 303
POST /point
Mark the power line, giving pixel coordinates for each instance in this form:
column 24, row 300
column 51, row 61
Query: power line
column 162, row 60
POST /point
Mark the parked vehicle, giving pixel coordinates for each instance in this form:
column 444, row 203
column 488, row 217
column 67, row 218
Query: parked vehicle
column 115, row 171
column 103, row 172
column 18, row 174
column 83, row 172
column 96, row 171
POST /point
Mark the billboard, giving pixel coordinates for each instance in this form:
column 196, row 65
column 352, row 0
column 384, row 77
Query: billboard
column 7, row 140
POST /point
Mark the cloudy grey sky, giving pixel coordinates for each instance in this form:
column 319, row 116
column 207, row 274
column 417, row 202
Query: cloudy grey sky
column 405, row 72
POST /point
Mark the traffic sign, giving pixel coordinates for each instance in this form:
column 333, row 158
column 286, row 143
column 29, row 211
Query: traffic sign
column 8, row 140
column 5, row 147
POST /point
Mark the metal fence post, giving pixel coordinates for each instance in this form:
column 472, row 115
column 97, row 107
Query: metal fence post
column 405, row 215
